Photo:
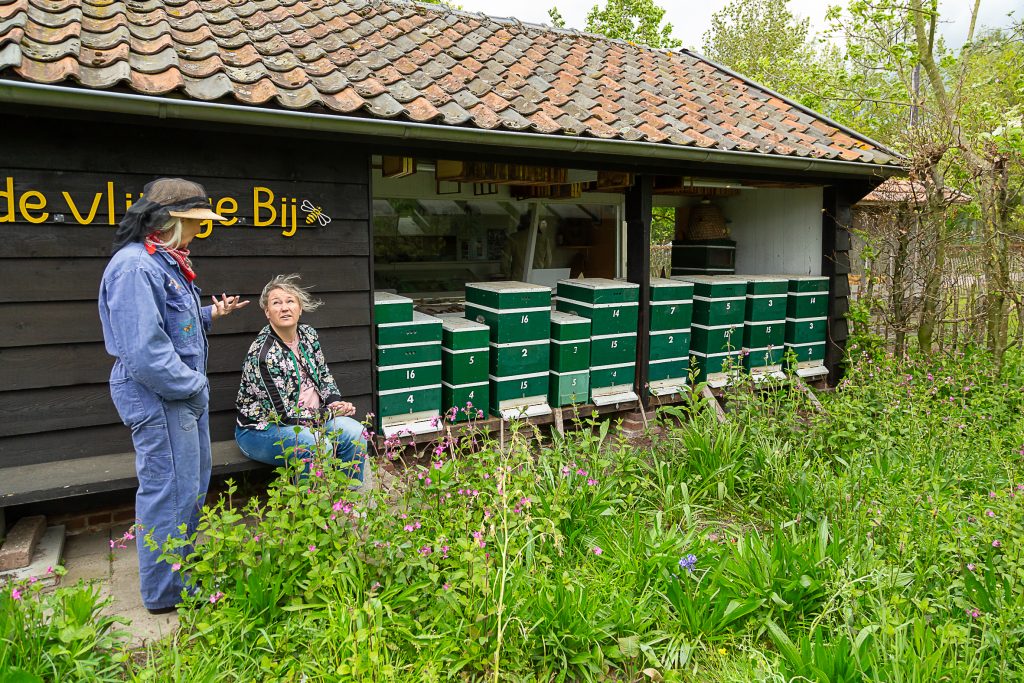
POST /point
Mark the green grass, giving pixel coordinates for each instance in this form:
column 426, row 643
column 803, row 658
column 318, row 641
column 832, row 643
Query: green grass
column 879, row 540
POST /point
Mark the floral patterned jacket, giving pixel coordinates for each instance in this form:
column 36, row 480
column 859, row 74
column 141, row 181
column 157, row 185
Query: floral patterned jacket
column 270, row 385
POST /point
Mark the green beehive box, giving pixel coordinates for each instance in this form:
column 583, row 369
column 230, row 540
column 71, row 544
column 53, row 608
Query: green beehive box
column 766, row 298
column 422, row 328
column 507, row 295
column 458, row 396
column 718, row 300
column 568, row 388
column 705, row 365
column 391, row 308
column 807, row 305
column 671, row 304
column 465, row 366
column 805, row 330
column 670, row 344
column 520, row 358
column 404, row 354
column 513, row 325
column 569, row 327
column 410, row 375
column 459, row 334
column 669, row 368
column 570, row 356
column 421, row 399
column 611, row 305
column 716, row 338
column 800, row 284
column 521, row 386
column 605, row 376
column 604, row 318
column 598, row 290
column 763, row 357
column 813, row 352
column 758, row 335
column 612, row 349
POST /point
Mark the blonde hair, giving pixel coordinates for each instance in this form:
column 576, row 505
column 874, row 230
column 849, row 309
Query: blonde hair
column 288, row 284
column 171, row 233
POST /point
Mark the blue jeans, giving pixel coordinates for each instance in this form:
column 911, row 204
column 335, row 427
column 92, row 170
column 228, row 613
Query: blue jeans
column 173, row 462
column 268, row 445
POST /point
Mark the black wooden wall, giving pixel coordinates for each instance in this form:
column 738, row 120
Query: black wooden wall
column 54, row 400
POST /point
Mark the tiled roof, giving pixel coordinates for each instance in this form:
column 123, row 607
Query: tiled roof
column 403, row 61
column 906, row 191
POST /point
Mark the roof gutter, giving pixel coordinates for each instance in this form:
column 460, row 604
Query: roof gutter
column 60, row 97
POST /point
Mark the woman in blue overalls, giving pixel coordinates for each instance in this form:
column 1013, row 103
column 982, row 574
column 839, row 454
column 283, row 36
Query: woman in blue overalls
column 155, row 327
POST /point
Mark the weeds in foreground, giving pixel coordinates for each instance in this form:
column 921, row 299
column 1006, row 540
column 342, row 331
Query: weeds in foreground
column 879, row 540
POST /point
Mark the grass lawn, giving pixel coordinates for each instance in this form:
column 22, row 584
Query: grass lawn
column 879, row 540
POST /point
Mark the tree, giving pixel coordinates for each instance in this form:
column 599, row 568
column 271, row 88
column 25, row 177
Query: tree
column 557, row 20
column 638, row 21
column 764, row 41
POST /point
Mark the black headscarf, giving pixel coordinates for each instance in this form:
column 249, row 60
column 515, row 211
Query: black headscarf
column 152, row 211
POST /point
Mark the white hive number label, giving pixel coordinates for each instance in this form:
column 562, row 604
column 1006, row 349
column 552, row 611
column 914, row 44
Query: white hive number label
column 671, row 338
column 728, row 305
column 471, row 395
column 771, row 302
column 575, row 350
column 573, row 382
column 810, row 326
column 615, row 313
column 524, row 384
column 525, row 319
column 671, row 310
column 472, row 360
column 525, row 352
column 615, row 343
column 813, row 299
column 410, row 374
column 768, row 330
column 411, row 399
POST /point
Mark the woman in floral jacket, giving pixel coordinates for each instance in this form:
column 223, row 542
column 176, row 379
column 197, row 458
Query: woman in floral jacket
column 286, row 383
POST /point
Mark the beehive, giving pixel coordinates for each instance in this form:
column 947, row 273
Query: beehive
column 807, row 321
column 719, row 306
column 466, row 361
column 703, row 257
column 671, row 316
column 612, row 306
column 518, row 316
column 514, row 311
column 570, row 359
column 391, row 308
column 764, row 327
column 408, row 373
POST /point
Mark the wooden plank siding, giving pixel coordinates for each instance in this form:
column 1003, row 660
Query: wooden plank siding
column 53, row 367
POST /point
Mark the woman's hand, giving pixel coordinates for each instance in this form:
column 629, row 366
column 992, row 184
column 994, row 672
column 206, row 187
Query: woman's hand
column 226, row 306
column 343, row 408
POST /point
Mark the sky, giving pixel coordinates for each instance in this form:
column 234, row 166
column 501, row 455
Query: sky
column 691, row 18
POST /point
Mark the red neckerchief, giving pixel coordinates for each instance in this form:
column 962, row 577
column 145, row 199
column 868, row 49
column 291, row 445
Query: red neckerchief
column 180, row 256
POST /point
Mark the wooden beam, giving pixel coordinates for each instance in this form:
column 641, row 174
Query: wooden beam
column 638, row 271
column 802, row 387
column 706, row 392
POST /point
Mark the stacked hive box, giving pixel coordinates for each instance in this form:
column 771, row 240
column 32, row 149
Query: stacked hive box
column 671, row 315
column 719, row 305
column 408, row 365
column 570, row 359
column 464, row 367
column 806, row 321
column 612, row 307
column 764, row 327
column 519, row 318
column 703, row 257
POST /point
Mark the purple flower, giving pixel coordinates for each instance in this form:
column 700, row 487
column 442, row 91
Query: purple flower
column 989, row 513
column 997, row 543
column 597, row 550
column 216, row 597
column 971, row 567
column 591, row 482
column 447, row 586
column 972, row 612
column 688, row 562
column 16, row 594
column 312, row 548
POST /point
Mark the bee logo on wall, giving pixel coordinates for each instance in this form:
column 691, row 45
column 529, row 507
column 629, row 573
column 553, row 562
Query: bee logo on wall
column 314, row 213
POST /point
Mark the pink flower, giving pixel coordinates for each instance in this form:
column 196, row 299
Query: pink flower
column 479, row 414
column 426, row 481
column 444, row 551
column 337, row 506
column 408, row 527
column 216, row 597
column 49, row 570
column 312, row 548
column 971, row 567
column 989, row 513
column 32, row 580
column 997, row 543
column 973, row 613
column 319, row 474
column 565, row 470
column 426, row 551
column 176, row 566
column 597, row 550
column 447, row 586
column 16, row 594
column 582, row 472
column 439, row 464
column 991, row 494
column 591, row 482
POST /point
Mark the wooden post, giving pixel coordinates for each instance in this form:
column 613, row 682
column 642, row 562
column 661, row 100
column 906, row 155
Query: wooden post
column 638, row 270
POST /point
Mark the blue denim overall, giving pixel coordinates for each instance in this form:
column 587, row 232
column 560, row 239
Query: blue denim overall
column 155, row 327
